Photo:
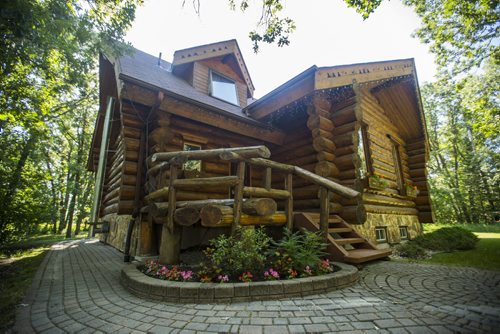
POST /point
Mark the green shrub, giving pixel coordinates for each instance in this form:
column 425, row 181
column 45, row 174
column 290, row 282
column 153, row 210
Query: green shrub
column 448, row 239
column 411, row 250
column 298, row 250
column 245, row 252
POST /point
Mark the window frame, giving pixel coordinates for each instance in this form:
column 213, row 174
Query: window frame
column 184, row 143
column 364, row 143
column 403, row 228
column 210, row 87
column 398, row 165
column 381, row 228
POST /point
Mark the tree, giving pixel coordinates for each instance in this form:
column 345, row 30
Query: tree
column 48, row 56
column 461, row 33
column 463, row 124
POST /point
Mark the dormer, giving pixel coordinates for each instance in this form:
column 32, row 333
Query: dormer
column 217, row 70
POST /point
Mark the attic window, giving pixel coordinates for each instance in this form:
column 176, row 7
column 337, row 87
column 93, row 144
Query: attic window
column 223, row 88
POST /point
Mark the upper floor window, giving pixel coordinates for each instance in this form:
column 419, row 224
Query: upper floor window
column 365, row 168
column 223, row 88
column 398, row 166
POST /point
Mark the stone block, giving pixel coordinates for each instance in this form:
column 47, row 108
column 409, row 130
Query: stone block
column 306, row 285
column 189, row 290
column 224, row 291
column 259, row 289
column 291, row 287
column 275, row 288
column 241, row 289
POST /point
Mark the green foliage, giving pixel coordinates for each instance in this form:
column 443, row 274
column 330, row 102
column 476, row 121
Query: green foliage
column 48, row 98
column 463, row 118
column 448, row 239
column 232, row 256
column 486, row 255
column 411, row 250
column 298, row 250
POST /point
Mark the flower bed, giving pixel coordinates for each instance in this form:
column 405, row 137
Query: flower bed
column 144, row 286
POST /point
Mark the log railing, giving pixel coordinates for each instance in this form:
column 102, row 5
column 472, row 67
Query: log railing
column 169, row 164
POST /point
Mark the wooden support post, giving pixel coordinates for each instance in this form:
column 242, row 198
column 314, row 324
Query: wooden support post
column 267, row 178
column 238, row 196
column 289, row 201
column 170, row 248
column 324, row 212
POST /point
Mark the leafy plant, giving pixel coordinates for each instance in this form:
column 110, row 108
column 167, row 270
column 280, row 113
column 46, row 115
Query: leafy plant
column 448, row 239
column 298, row 250
column 246, row 251
column 411, row 250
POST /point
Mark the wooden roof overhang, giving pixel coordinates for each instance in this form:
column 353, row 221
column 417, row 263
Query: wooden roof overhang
column 227, row 51
column 107, row 87
column 394, row 83
column 147, row 94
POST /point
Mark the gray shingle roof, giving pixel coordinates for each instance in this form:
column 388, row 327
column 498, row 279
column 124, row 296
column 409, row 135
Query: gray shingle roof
column 143, row 67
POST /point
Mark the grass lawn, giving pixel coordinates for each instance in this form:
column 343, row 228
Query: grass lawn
column 485, row 256
column 18, row 265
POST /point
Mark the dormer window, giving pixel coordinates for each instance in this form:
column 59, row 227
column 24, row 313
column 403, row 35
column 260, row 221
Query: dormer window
column 223, row 88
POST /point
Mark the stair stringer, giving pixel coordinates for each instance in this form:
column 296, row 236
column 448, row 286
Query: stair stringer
column 305, row 221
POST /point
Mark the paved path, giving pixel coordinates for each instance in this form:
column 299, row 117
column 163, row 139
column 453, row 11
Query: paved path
column 77, row 289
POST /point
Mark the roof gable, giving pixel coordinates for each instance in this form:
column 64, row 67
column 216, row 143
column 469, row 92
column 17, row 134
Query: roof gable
column 228, row 50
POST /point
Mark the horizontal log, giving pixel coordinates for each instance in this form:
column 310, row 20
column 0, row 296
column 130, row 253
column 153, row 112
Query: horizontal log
column 346, row 128
column 343, row 140
column 314, row 204
column 330, row 185
column 308, row 192
column 259, row 206
column 186, row 216
column 277, row 166
column 418, row 172
column 390, row 209
column 319, row 122
column 245, row 152
column 326, row 169
column 339, row 151
column 344, row 162
column 203, row 183
column 323, row 144
column 277, row 219
column 386, row 200
column 324, row 156
column 130, row 132
column 263, row 192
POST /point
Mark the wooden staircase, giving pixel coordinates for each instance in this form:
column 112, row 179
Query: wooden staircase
column 344, row 243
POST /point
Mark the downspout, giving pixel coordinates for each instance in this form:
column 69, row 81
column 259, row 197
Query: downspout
column 101, row 167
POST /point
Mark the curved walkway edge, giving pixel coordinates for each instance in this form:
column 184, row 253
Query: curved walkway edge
column 144, row 286
column 77, row 290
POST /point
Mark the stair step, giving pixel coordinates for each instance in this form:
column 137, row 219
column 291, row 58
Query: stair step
column 364, row 255
column 339, row 230
column 346, row 241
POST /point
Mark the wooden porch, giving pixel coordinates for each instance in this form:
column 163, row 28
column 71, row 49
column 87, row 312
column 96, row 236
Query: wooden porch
column 175, row 202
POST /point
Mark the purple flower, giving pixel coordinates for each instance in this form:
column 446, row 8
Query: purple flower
column 223, row 278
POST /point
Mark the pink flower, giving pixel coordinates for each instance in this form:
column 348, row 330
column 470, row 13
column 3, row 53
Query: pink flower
column 186, row 275
column 223, row 278
column 271, row 274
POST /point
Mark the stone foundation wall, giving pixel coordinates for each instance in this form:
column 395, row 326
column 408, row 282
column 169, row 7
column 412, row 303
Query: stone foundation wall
column 391, row 223
column 116, row 237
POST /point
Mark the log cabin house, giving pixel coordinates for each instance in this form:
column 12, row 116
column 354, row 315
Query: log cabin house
column 184, row 152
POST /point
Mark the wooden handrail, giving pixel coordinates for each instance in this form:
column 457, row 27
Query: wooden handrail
column 243, row 152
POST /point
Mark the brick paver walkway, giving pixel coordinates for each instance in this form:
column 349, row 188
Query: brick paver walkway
column 77, row 289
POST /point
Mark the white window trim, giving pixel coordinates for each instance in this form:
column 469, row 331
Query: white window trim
column 403, row 228
column 384, row 229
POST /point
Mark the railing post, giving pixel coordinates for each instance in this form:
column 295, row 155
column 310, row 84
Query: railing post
column 238, row 196
column 171, row 236
column 324, row 214
column 268, row 178
column 289, row 201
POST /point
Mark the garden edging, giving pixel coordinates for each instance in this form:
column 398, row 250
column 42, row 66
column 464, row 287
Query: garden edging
column 144, row 286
